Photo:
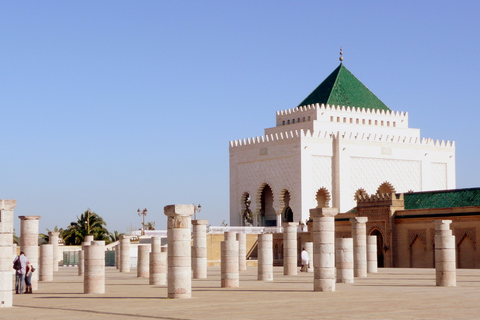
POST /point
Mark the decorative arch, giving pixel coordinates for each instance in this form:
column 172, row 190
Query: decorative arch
column 266, row 212
column 287, row 213
column 386, row 187
column 360, row 192
column 381, row 248
column 246, row 213
column 323, row 198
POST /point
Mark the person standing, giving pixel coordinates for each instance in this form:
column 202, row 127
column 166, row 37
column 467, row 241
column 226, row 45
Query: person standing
column 28, row 278
column 305, row 260
column 20, row 273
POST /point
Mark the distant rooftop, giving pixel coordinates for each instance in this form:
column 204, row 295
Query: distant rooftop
column 442, row 199
column 342, row 88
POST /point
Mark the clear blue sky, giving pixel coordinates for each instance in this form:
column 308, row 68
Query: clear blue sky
column 120, row 105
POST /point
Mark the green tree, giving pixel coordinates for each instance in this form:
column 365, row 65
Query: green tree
column 45, row 238
column 150, row 225
column 15, row 238
column 89, row 223
column 114, row 236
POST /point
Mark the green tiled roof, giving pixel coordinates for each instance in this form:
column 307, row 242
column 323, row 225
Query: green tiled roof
column 443, row 199
column 342, row 88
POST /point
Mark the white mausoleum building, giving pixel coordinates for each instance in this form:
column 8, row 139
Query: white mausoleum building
column 340, row 141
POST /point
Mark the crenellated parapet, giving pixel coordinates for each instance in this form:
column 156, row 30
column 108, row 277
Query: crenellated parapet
column 380, row 199
column 323, row 107
column 349, row 135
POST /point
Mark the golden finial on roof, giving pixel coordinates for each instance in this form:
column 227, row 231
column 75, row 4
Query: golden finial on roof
column 341, row 55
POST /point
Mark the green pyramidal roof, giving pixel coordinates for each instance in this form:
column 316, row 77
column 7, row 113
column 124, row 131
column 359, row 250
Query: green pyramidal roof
column 342, row 88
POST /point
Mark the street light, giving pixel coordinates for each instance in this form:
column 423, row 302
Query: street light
column 142, row 213
column 197, row 209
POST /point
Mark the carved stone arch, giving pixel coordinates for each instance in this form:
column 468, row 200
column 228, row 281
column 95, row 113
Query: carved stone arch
column 386, row 187
column 285, row 208
column 360, row 192
column 266, row 211
column 323, row 198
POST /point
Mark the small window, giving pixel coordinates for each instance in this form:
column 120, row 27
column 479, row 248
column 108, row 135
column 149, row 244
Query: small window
column 381, row 123
column 376, row 122
column 344, row 120
column 298, row 120
column 357, row 121
column 293, row 121
column 331, row 119
column 370, row 122
column 394, row 124
column 388, row 123
column 288, row 121
column 363, row 121
column 308, row 118
column 283, row 122
column 351, row 120
column 303, row 119
column 338, row 119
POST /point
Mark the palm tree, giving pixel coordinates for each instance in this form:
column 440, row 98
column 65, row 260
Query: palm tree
column 115, row 236
column 45, row 238
column 15, row 238
column 89, row 223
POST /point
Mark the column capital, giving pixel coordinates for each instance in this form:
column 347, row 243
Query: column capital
column 29, row 217
column 199, row 222
column 359, row 220
column 323, row 212
column 289, row 224
column 7, row 204
column 185, row 210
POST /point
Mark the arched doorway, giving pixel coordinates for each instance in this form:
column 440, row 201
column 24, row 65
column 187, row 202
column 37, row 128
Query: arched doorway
column 417, row 254
column 268, row 216
column 380, row 255
column 287, row 213
column 466, row 253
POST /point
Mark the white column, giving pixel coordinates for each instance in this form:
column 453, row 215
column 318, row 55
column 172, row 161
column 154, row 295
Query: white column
column 125, row 253
column 242, row 251
column 324, row 248
column 229, row 261
column 29, row 243
column 143, row 260
column 179, row 250
column 53, row 240
column 6, row 245
column 158, row 263
column 445, row 268
column 344, row 260
column 372, row 264
column 81, row 254
column 94, row 276
column 46, row 262
column 359, row 235
column 199, row 249
column 265, row 257
column 290, row 250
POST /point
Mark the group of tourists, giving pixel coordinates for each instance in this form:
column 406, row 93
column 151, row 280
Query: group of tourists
column 23, row 274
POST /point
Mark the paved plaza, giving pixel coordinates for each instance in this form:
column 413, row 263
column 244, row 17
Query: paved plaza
column 390, row 294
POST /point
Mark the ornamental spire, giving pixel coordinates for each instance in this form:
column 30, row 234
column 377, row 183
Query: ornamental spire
column 341, row 55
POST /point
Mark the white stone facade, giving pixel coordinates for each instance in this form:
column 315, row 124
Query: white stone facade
column 321, row 155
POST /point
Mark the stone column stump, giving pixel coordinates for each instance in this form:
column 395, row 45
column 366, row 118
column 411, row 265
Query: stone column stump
column 445, row 265
column 242, row 251
column 143, row 262
column 125, row 253
column 229, row 261
column 372, row 263
column 265, row 257
column 94, row 276
column 45, row 272
column 53, row 240
column 158, row 263
column 179, row 250
column 6, row 255
column 324, row 248
column 290, row 249
column 29, row 243
column 344, row 260
column 199, row 249
column 359, row 235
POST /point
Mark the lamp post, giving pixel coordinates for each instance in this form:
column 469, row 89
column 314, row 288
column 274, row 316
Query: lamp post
column 197, row 209
column 142, row 213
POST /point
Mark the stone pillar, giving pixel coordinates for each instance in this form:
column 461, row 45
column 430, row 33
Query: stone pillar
column 53, row 240
column 229, row 261
column 158, row 263
column 290, row 250
column 242, row 251
column 324, row 248
column 265, row 257
column 46, row 262
column 94, row 277
column 6, row 245
column 179, row 250
column 81, row 254
column 125, row 253
column 344, row 260
column 199, row 249
column 143, row 261
column 29, row 243
column 309, row 248
column 117, row 256
column 359, row 235
column 372, row 264
column 445, row 268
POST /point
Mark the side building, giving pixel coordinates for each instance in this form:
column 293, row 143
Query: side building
column 340, row 142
